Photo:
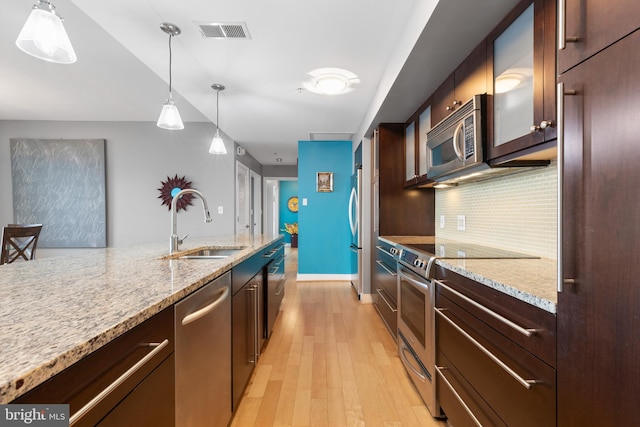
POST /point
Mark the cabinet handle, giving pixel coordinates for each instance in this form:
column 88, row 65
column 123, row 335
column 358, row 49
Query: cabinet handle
column 280, row 288
column 562, row 26
column 394, row 310
column 190, row 318
column 560, row 94
column 381, row 264
column 542, row 126
column 439, row 370
column 525, row 383
column 512, row 325
column 389, row 252
column 158, row 347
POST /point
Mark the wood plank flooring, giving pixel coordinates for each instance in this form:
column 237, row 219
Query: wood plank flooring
column 329, row 362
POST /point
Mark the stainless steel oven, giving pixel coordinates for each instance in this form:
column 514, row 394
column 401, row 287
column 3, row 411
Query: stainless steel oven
column 416, row 324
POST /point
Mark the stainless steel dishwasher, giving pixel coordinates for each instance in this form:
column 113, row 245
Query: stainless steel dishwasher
column 203, row 355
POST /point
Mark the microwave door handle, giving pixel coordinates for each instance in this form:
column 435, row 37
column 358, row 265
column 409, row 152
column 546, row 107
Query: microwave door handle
column 456, row 148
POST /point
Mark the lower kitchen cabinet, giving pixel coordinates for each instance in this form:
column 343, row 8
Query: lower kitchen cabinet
column 495, row 359
column 247, row 323
column 129, row 381
column 385, row 286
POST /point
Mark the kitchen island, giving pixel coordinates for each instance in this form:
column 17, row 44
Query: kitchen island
column 55, row 311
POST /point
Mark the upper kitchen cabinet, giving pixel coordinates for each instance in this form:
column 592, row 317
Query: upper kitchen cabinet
column 470, row 78
column 402, row 211
column 521, row 60
column 415, row 140
column 607, row 24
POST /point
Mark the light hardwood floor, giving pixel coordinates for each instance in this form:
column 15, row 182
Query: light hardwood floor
column 329, row 362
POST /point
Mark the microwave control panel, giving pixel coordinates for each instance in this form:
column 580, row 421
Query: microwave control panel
column 469, row 143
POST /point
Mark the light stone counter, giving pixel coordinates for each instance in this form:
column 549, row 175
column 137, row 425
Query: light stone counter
column 55, row 311
column 529, row 280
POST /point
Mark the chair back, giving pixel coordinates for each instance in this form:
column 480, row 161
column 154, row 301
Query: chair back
column 19, row 241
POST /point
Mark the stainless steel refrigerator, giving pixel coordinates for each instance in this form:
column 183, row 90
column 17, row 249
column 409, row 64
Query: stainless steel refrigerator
column 355, row 221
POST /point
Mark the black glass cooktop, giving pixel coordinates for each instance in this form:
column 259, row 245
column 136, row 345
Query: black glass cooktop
column 456, row 250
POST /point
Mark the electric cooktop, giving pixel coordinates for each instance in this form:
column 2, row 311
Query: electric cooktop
column 457, row 250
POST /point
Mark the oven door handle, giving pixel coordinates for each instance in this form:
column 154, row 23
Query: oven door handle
column 420, row 285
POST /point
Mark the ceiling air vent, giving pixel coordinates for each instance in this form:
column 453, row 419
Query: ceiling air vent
column 228, row 30
column 330, row 136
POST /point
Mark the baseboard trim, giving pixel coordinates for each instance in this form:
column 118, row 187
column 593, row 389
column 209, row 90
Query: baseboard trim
column 324, row 277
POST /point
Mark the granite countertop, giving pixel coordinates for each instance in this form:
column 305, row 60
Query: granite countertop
column 531, row 280
column 54, row 311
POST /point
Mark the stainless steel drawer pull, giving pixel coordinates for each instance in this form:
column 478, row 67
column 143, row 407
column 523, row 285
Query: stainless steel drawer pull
column 381, row 264
column 525, row 383
column 190, row 318
column 118, row 382
column 408, row 363
column 394, row 310
column 386, row 252
column 439, row 370
column 512, row 325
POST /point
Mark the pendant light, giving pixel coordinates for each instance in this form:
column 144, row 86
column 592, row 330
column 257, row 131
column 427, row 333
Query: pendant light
column 170, row 116
column 217, row 144
column 44, row 36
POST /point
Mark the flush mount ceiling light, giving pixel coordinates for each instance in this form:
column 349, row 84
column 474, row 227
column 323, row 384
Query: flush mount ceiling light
column 44, row 36
column 170, row 116
column 330, row 81
column 217, row 144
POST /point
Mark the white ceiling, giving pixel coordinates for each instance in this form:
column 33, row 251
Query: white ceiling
column 400, row 50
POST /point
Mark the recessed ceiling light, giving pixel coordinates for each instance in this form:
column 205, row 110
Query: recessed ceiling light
column 330, row 81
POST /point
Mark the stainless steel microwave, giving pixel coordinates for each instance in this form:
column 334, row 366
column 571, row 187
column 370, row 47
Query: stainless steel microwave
column 455, row 145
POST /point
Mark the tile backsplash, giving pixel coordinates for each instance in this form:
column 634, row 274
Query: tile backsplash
column 516, row 212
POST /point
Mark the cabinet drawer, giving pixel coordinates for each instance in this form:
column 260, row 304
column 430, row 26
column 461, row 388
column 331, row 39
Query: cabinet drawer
column 541, row 342
column 136, row 352
column 387, row 311
column 519, row 387
column 464, row 407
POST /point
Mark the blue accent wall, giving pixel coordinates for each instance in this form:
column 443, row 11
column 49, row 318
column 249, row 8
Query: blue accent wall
column 287, row 189
column 325, row 236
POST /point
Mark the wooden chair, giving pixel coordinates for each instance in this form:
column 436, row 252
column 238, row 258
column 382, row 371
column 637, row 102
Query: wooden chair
column 19, row 241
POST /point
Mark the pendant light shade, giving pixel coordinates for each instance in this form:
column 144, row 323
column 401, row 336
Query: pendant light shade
column 170, row 116
column 44, row 37
column 217, row 143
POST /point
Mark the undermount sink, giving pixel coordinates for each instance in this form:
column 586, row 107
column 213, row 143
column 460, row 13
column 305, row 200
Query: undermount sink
column 212, row 253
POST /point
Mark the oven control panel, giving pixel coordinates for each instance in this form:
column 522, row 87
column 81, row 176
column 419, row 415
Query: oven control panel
column 413, row 260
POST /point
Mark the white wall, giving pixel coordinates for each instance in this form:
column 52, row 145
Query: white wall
column 139, row 156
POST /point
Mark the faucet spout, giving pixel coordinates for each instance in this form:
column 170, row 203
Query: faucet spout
column 174, row 241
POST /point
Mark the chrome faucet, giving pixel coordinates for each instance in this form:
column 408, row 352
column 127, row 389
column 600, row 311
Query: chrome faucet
column 174, row 241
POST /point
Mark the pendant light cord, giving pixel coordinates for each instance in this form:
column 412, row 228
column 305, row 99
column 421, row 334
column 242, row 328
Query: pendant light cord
column 217, row 110
column 170, row 95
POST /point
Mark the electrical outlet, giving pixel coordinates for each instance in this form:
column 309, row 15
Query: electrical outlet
column 220, row 210
column 304, row 202
column 461, row 223
column 441, row 221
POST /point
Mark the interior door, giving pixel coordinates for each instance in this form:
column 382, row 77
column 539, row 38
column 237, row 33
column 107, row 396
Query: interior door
column 243, row 200
column 256, row 203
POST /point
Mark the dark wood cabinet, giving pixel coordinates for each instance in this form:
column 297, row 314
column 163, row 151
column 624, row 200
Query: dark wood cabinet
column 495, row 356
column 137, row 370
column 592, row 25
column 401, row 211
column 385, row 287
column 598, row 321
column 539, row 127
column 468, row 79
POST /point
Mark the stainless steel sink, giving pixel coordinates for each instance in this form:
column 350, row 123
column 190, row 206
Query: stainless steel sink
column 212, row 253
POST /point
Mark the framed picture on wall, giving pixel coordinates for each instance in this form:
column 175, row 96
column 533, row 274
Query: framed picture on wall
column 324, row 181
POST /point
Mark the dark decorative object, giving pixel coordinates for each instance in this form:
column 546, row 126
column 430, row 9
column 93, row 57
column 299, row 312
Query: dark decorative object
column 173, row 186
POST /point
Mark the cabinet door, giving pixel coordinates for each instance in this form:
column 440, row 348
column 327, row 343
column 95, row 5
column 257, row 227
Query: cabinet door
column 598, row 322
column 443, row 100
column 410, row 153
column 522, row 62
column 471, row 76
column 424, row 126
column 244, row 337
column 589, row 26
